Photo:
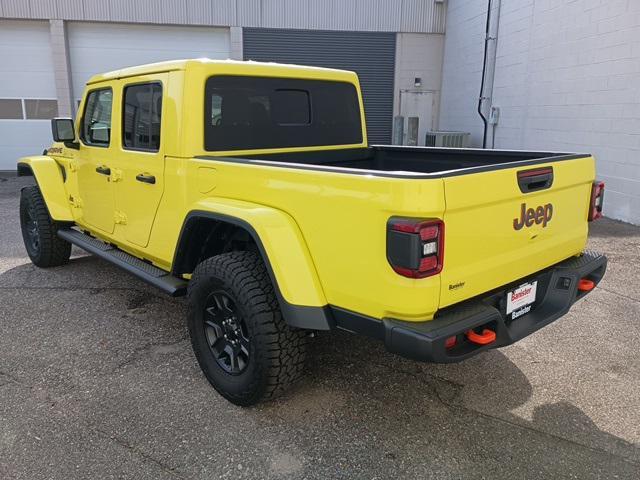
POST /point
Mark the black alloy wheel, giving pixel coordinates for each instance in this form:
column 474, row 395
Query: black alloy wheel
column 244, row 346
column 40, row 231
column 226, row 333
column 30, row 229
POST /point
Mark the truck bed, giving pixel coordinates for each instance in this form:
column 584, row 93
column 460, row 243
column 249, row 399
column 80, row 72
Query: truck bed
column 414, row 162
column 492, row 204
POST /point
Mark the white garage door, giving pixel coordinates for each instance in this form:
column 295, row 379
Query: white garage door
column 27, row 90
column 101, row 47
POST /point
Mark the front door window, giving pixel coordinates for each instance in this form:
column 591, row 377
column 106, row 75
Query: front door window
column 96, row 121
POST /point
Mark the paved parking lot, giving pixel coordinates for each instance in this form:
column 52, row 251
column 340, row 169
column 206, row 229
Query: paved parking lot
column 97, row 380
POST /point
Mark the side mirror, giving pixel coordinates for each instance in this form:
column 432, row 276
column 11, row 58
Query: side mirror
column 63, row 131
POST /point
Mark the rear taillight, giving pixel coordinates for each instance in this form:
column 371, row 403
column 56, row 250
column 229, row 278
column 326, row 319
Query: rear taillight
column 597, row 201
column 415, row 247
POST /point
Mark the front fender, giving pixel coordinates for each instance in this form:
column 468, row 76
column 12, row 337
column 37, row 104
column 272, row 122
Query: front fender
column 285, row 253
column 49, row 178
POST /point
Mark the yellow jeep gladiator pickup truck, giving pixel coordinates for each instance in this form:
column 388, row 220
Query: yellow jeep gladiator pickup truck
column 251, row 188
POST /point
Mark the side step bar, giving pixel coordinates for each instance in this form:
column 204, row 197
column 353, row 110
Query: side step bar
column 157, row 277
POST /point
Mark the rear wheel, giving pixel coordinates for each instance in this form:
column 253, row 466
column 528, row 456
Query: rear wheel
column 40, row 231
column 242, row 343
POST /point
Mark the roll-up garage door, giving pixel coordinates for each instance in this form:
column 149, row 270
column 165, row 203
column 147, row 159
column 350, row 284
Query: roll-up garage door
column 371, row 55
column 27, row 90
column 102, row 47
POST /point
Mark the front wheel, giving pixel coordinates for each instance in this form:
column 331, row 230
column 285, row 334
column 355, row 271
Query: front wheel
column 40, row 231
column 243, row 345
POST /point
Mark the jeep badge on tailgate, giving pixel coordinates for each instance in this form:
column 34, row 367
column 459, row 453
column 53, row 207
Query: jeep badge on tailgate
column 529, row 216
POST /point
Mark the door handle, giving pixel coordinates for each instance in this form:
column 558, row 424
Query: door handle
column 102, row 170
column 141, row 177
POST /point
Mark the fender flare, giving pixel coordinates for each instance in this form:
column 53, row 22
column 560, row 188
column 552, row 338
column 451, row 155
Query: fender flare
column 49, row 178
column 283, row 251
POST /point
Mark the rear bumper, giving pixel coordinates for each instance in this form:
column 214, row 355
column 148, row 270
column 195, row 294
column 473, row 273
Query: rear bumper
column 557, row 292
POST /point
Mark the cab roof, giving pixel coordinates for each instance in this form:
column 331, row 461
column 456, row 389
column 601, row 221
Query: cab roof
column 250, row 66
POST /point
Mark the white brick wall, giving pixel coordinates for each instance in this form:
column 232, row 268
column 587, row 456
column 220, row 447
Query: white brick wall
column 462, row 67
column 567, row 78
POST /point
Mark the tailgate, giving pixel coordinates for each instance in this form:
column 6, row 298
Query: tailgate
column 496, row 233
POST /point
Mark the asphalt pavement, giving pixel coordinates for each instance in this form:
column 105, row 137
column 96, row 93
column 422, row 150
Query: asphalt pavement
column 98, row 380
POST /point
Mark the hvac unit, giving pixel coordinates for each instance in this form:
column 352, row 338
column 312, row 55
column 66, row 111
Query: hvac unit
column 447, row 139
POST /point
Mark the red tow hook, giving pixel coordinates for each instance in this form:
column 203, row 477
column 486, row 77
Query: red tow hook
column 586, row 285
column 486, row 337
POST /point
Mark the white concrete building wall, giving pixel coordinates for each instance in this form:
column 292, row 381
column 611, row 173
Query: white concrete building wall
column 567, row 78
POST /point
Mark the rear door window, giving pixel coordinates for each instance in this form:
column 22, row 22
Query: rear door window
column 141, row 117
column 243, row 113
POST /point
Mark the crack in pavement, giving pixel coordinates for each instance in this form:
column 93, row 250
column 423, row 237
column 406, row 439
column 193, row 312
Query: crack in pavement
column 432, row 385
column 163, row 466
column 137, row 354
column 93, row 428
column 613, row 292
column 549, row 434
column 488, row 416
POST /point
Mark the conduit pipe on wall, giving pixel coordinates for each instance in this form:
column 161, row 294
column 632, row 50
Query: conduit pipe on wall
column 489, row 64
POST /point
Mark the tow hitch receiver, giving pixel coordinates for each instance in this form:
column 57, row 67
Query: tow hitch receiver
column 461, row 331
column 486, row 337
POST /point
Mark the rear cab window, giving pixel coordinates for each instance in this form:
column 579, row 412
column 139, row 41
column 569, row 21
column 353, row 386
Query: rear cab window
column 243, row 113
column 96, row 119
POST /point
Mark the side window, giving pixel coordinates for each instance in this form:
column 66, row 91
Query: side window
column 96, row 121
column 141, row 116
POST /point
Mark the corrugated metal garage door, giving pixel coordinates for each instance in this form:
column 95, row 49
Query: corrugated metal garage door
column 371, row 55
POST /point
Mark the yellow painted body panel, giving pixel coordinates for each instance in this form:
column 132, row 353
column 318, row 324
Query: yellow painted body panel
column 284, row 245
column 324, row 231
column 339, row 219
column 49, row 178
column 136, row 201
column 98, row 198
column 484, row 251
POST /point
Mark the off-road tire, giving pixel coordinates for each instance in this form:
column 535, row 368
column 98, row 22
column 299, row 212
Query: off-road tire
column 40, row 231
column 276, row 351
